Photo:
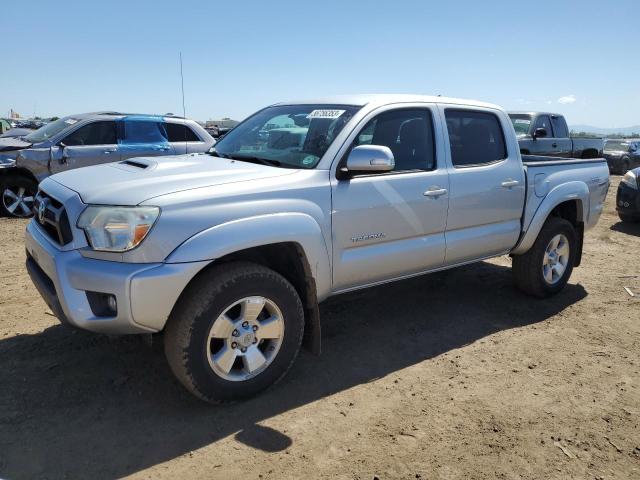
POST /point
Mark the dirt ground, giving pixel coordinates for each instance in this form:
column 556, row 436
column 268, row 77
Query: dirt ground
column 454, row 375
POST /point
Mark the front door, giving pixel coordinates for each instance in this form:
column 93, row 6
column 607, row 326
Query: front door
column 90, row 144
column 392, row 224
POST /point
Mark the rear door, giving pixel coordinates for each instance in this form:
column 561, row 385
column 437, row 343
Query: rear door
column 562, row 145
column 90, row 144
column 143, row 136
column 486, row 184
column 386, row 225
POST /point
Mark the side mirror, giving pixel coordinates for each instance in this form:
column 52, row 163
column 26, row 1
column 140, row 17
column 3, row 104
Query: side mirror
column 369, row 159
column 63, row 153
column 540, row 133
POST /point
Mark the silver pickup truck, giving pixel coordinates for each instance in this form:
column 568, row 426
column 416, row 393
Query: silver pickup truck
column 230, row 253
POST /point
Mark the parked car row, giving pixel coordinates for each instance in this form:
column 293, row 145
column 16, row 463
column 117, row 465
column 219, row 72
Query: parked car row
column 84, row 140
column 622, row 154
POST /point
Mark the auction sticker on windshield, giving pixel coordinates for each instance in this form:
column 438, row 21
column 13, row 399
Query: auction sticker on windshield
column 325, row 113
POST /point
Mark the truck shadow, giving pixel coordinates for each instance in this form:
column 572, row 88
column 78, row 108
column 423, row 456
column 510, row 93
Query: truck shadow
column 627, row 227
column 74, row 404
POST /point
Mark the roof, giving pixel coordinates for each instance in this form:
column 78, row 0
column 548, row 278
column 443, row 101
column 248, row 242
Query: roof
column 110, row 113
column 534, row 113
column 383, row 99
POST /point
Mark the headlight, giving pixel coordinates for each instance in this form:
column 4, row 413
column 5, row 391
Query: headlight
column 117, row 229
column 630, row 179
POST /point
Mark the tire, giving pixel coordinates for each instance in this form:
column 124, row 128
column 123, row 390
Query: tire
column 192, row 353
column 529, row 268
column 17, row 194
column 628, row 218
column 626, row 166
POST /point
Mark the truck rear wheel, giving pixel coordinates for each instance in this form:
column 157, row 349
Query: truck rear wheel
column 545, row 269
column 234, row 332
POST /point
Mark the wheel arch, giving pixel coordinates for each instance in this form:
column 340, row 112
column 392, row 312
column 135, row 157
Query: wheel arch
column 290, row 244
column 569, row 201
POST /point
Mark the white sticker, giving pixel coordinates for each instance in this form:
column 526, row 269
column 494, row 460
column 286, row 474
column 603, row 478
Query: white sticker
column 70, row 121
column 520, row 121
column 325, row 114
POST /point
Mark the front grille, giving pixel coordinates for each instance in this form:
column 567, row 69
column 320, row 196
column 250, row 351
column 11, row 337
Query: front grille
column 52, row 217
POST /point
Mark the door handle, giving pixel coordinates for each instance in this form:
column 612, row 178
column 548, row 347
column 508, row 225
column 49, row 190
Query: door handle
column 435, row 192
column 554, row 145
column 107, row 152
column 510, row 183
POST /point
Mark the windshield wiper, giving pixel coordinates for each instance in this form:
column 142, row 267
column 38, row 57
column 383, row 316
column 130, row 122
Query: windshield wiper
column 252, row 159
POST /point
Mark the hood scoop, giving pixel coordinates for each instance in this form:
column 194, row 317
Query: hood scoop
column 135, row 164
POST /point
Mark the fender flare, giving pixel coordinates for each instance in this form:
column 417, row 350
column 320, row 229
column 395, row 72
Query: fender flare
column 570, row 191
column 245, row 233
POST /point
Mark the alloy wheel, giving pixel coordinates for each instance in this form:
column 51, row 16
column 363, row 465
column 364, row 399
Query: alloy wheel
column 556, row 259
column 245, row 339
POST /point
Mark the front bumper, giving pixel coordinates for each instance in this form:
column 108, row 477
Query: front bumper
column 145, row 293
column 628, row 200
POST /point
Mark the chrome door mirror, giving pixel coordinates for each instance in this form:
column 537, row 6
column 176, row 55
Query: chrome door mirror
column 369, row 159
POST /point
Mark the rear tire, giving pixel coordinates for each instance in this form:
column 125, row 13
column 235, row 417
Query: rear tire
column 17, row 194
column 544, row 270
column 210, row 349
column 628, row 218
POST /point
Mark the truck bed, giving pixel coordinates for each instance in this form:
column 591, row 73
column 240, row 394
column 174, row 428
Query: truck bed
column 544, row 174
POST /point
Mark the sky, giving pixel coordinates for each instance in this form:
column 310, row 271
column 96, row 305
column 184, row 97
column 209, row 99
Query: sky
column 578, row 58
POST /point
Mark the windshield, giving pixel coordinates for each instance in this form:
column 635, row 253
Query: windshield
column 50, row 130
column 521, row 123
column 291, row 136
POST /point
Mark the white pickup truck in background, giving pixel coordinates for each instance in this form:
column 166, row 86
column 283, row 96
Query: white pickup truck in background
column 230, row 253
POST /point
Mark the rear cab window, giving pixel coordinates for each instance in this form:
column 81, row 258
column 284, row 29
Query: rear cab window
column 475, row 137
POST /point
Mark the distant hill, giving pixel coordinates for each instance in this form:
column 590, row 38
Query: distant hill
column 625, row 131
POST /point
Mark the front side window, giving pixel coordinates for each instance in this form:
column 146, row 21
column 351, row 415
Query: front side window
column 290, row 136
column 407, row 133
column 475, row 137
column 178, row 132
column 559, row 127
column 96, row 133
column 543, row 121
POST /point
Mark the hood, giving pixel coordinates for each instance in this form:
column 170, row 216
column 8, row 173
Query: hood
column 133, row 181
column 12, row 143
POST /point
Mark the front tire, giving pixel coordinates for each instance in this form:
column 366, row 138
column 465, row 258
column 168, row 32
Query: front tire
column 17, row 194
column 235, row 331
column 545, row 269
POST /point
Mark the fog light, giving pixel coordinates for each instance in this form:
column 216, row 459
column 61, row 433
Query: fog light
column 111, row 303
column 103, row 304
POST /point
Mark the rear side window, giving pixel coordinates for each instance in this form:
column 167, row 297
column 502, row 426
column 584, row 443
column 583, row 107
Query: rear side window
column 96, row 133
column 475, row 137
column 559, row 127
column 409, row 135
column 177, row 132
column 144, row 131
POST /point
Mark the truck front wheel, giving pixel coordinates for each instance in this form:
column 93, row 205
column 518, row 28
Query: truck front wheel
column 17, row 194
column 545, row 269
column 235, row 331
